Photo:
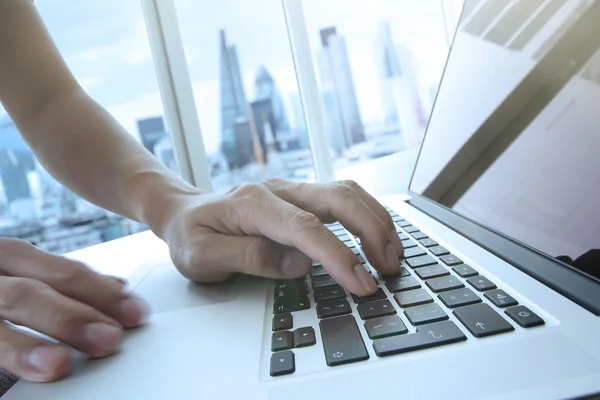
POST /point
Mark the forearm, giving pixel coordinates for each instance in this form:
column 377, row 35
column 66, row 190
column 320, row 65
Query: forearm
column 87, row 150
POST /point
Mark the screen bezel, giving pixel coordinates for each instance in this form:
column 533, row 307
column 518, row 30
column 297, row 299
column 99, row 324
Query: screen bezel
column 574, row 284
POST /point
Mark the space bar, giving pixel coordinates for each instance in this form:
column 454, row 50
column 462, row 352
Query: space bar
column 426, row 336
column 342, row 341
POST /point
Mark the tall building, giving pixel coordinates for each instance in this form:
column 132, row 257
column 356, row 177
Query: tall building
column 152, row 130
column 399, row 79
column 234, row 108
column 337, row 80
column 16, row 163
column 268, row 105
column 389, row 69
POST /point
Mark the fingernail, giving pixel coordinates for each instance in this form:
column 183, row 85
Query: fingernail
column 365, row 278
column 103, row 336
column 392, row 258
column 46, row 359
column 295, row 264
column 134, row 310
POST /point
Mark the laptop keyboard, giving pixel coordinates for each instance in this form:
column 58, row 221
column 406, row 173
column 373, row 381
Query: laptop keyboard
column 433, row 283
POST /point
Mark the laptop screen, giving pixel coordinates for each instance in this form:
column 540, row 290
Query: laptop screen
column 514, row 139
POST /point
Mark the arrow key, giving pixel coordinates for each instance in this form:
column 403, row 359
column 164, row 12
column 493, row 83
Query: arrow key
column 304, row 337
column 283, row 363
column 481, row 320
column 282, row 341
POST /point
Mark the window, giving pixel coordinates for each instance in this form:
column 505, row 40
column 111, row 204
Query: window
column 105, row 44
column 245, row 90
column 378, row 67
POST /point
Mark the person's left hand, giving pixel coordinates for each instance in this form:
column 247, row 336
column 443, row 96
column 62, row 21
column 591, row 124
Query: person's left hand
column 274, row 229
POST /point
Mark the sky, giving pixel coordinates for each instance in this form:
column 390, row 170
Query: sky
column 105, row 44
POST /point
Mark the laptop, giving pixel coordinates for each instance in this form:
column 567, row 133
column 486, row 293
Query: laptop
column 499, row 296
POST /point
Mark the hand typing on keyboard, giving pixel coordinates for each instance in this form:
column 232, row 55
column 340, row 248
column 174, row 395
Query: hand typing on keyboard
column 276, row 228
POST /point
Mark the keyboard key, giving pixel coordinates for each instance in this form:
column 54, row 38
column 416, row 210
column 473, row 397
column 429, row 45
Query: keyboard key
column 291, row 288
column 419, row 235
column 342, row 341
column 444, row 284
column 433, row 271
column 333, row 309
column 413, row 298
column 439, row 251
column 426, row 336
column 459, row 298
column 481, row 283
column 379, row 295
column 481, row 320
column 291, row 305
column 317, row 271
column 403, row 236
column 429, row 242
column 329, row 294
column 344, row 238
column 323, row 281
column 304, row 337
column 422, row 261
column 374, row 309
column 397, row 218
column 401, row 284
column 361, row 259
column 465, row 271
column 404, row 224
column 282, row 363
column 425, row 314
column 524, row 316
column 414, row 252
column 355, row 250
column 386, row 326
column 403, row 272
column 283, row 322
column 410, row 229
column 451, row 260
column 408, row 244
column 500, row 298
column 282, row 341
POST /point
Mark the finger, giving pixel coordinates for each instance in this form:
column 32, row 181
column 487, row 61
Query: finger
column 216, row 256
column 75, row 280
column 259, row 212
column 32, row 358
column 381, row 212
column 37, row 306
column 344, row 204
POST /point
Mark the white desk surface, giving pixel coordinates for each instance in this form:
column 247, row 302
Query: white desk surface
column 122, row 257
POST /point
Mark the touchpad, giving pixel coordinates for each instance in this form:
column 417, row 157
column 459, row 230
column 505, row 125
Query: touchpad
column 167, row 290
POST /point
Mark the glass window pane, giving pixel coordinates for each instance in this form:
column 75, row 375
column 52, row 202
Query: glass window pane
column 245, row 90
column 378, row 67
column 104, row 43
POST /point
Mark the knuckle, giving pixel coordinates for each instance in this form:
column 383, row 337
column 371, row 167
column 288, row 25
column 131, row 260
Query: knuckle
column 344, row 192
column 350, row 183
column 275, row 182
column 68, row 272
column 16, row 289
column 248, row 190
column 303, row 220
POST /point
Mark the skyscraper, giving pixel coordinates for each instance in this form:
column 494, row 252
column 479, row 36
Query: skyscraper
column 266, row 89
column 389, row 69
column 299, row 121
column 152, row 130
column 16, row 162
column 234, row 108
column 338, row 88
column 399, row 80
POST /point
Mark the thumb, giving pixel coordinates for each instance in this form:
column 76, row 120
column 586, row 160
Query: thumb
column 220, row 255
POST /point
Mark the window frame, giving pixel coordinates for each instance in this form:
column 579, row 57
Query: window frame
column 176, row 88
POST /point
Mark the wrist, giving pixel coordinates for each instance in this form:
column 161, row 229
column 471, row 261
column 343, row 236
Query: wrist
column 155, row 196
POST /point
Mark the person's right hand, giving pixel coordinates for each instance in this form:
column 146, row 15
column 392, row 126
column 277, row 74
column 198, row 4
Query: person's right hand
column 64, row 300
